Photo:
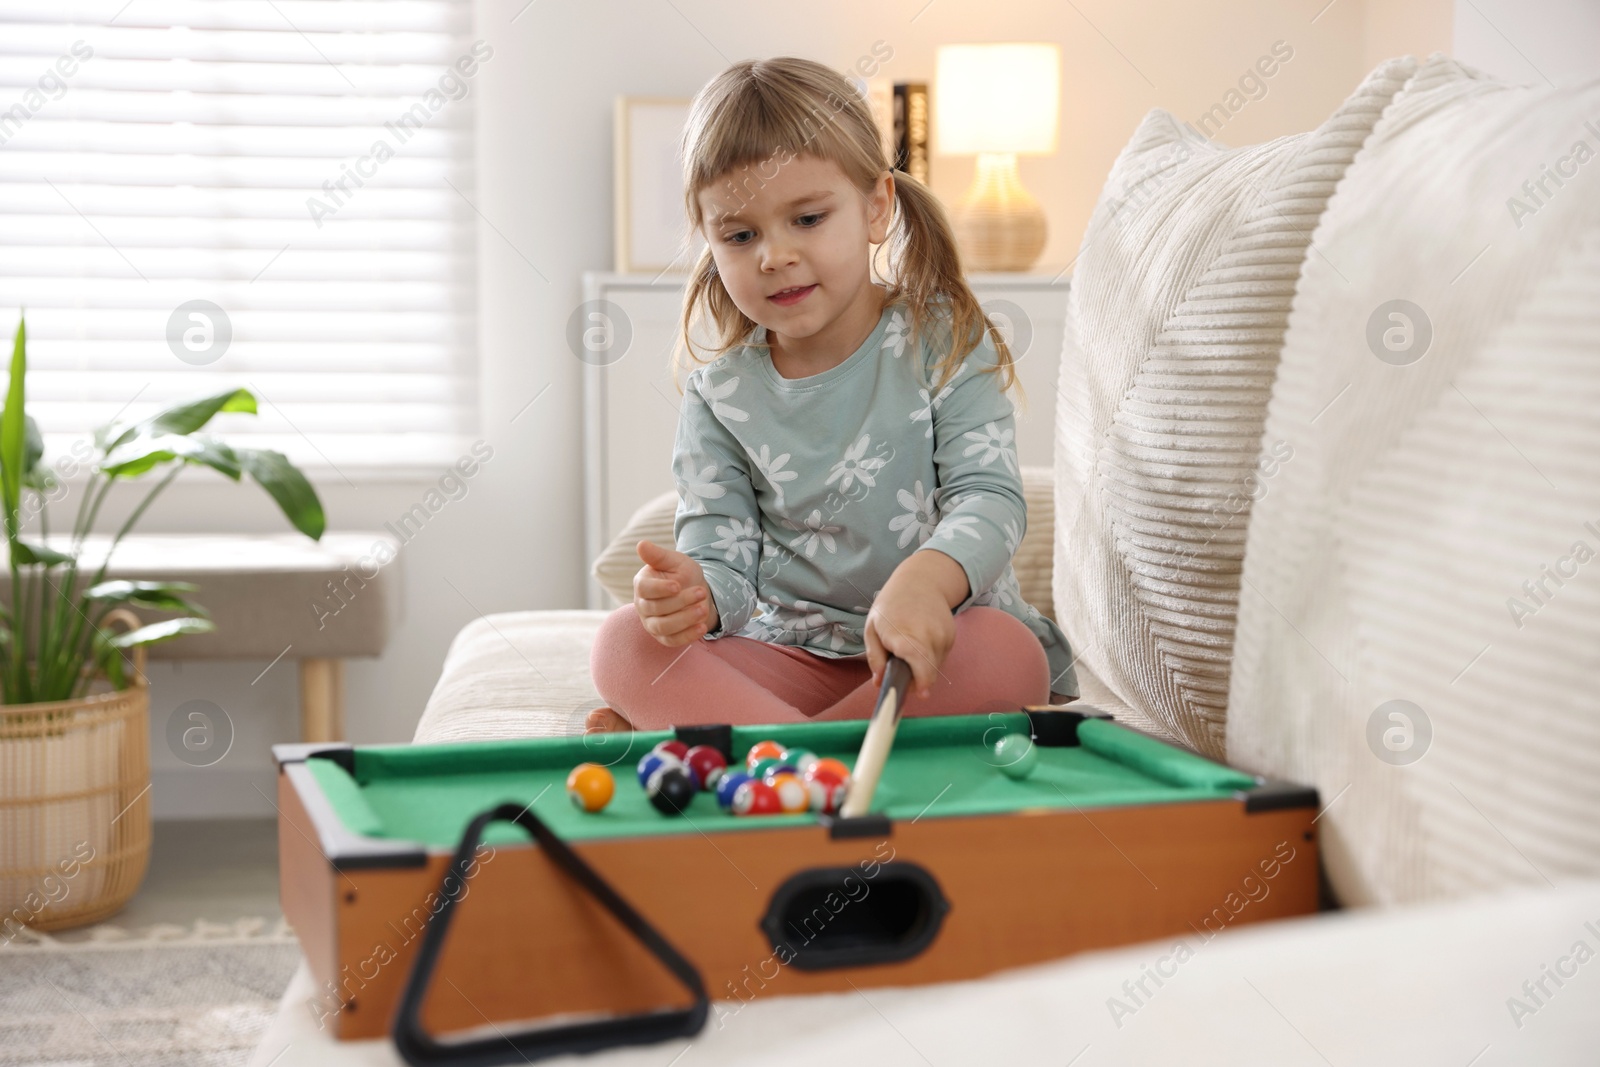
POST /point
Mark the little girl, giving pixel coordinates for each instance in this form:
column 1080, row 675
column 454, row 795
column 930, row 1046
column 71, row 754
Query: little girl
column 848, row 486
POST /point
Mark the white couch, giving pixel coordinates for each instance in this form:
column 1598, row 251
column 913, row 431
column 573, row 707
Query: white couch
column 1269, row 521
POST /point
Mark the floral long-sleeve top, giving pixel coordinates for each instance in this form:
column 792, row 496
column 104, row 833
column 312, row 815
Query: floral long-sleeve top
column 799, row 497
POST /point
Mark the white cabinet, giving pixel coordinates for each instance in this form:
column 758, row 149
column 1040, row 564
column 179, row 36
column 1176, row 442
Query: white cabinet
column 631, row 403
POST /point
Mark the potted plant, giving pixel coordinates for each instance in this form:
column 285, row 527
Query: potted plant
column 74, row 759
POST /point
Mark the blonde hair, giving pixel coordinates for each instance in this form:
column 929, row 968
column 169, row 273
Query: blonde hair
column 753, row 111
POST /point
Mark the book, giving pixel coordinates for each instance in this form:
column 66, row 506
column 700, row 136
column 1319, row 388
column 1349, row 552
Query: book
column 911, row 129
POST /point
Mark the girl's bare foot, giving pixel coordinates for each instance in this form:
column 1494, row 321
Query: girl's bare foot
column 605, row 721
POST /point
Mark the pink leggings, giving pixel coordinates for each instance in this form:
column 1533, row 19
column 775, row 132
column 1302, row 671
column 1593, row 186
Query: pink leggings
column 996, row 664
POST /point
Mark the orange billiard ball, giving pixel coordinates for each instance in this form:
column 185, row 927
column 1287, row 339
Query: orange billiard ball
column 763, row 750
column 793, row 796
column 828, row 763
column 590, row 786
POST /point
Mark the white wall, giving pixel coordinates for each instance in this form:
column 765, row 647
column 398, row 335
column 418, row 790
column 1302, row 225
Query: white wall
column 544, row 193
column 1532, row 42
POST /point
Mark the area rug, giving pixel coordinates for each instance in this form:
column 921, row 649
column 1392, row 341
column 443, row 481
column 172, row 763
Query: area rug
column 162, row 996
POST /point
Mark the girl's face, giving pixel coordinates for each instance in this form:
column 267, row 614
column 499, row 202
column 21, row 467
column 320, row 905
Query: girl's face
column 804, row 227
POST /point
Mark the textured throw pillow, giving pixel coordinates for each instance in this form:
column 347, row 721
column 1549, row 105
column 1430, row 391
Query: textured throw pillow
column 615, row 567
column 618, row 562
column 1179, row 304
column 1420, row 631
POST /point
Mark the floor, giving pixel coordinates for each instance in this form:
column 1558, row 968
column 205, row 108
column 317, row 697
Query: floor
column 211, row 870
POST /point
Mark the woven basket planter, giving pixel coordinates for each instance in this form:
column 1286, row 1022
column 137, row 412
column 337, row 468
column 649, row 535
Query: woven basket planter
column 75, row 802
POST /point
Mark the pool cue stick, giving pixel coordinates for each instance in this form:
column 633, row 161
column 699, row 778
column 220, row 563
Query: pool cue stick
column 880, row 737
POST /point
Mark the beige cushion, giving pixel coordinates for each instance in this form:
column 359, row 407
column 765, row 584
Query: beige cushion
column 1178, row 307
column 616, row 565
column 618, row 562
column 1388, row 561
column 514, row 674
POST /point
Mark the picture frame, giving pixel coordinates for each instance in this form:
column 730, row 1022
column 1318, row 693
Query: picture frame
column 650, row 224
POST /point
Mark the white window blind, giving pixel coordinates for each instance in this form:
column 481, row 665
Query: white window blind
column 303, row 165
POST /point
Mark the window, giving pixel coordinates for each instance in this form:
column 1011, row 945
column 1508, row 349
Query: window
column 274, row 194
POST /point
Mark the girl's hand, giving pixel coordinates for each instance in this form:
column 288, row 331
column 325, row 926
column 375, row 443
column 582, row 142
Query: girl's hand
column 671, row 596
column 913, row 621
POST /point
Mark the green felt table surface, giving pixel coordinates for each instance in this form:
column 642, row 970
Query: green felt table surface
column 940, row 767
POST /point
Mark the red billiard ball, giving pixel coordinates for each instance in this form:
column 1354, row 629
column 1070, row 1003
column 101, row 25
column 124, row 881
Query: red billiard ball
column 706, row 764
column 827, row 792
column 828, row 795
column 756, row 798
column 677, row 748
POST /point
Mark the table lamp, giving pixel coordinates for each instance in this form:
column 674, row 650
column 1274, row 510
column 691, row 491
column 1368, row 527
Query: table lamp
column 997, row 101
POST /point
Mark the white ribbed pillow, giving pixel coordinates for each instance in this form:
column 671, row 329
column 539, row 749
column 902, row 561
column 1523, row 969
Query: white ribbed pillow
column 1179, row 304
column 1388, row 561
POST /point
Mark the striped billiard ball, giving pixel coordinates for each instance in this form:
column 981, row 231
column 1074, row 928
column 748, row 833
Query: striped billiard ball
column 801, row 759
column 728, row 785
column 705, row 765
column 836, row 766
column 765, row 766
column 756, row 798
column 793, row 796
column 827, row 793
column 762, row 750
column 654, row 761
column 825, row 786
column 677, row 748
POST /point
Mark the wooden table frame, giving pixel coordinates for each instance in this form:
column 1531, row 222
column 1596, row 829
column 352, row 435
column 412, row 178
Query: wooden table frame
column 1019, row 888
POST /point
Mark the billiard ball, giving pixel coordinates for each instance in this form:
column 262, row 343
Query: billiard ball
column 827, row 793
column 705, row 765
column 764, row 766
column 782, row 768
column 729, row 784
column 763, row 750
column 677, row 748
column 834, row 765
column 654, row 761
column 802, row 759
column 793, row 797
column 819, row 780
column 1016, row 755
column 756, row 798
column 670, row 789
column 590, row 786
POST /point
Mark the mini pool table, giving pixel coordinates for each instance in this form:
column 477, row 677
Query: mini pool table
column 959, row 870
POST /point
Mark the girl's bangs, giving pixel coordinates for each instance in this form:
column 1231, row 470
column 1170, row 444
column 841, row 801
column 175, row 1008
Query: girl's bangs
column 758, row 140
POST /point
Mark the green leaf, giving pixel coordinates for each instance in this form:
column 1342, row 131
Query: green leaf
column 180, row 419
column 32, row 453
column 161, row 595
column 288, row 487
column 25, row 553
column 13, row 433
column 165, row 630
column 110, row 660
column 145, row 450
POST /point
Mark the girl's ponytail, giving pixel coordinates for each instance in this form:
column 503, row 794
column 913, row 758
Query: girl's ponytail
column 926, row 269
